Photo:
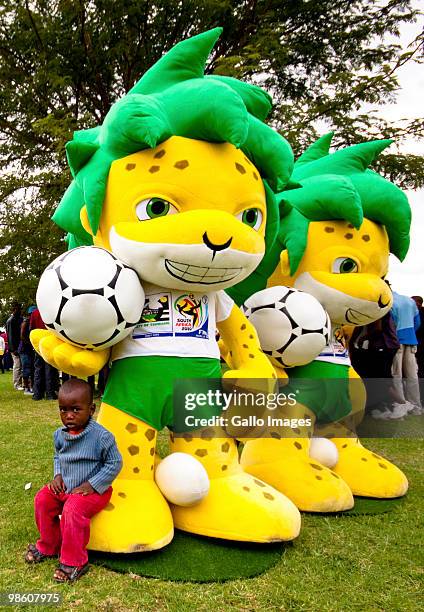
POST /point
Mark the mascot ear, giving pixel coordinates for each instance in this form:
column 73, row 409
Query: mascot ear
column 284, row 263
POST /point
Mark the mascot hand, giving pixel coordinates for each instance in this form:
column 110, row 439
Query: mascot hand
column 260, row 378
column 65, row 357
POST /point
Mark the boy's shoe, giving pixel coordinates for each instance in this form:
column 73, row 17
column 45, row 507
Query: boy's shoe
column 69, row 573
column 19, row 388
column 33, row 555
column 28, row 392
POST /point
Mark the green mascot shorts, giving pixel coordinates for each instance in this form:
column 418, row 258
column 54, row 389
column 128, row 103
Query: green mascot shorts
column 144, row 387
column 323, row 387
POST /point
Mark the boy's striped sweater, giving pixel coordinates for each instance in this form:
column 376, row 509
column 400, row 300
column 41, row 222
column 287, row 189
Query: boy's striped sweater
column 91, row 455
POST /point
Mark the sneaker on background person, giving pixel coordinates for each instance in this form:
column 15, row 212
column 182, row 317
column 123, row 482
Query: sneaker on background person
column 399, row 411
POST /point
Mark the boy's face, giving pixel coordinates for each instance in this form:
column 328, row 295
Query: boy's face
column 75, row 409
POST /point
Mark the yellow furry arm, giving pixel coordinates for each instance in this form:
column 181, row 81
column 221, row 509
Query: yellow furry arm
column 244, row 352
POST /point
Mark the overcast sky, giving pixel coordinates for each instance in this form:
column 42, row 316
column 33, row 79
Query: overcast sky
column 408, row 277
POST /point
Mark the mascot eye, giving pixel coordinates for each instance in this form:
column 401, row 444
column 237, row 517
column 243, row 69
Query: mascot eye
column 251, row 217
column 152, row 208
column 345, row 265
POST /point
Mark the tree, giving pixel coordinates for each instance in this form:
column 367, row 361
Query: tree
column 64, row 62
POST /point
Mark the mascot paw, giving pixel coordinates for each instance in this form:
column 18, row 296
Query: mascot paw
column 239, row 507
column 251, row 380
column 287, row 466
column 65, row 357
column 366, row 473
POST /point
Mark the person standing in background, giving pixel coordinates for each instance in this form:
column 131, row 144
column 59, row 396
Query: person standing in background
column 7, row 357
column 2, row 351
column 420, row 346
column 46, row 377
column 26, row 353
column 372, row 350
column 407, row 320
column 13, row 330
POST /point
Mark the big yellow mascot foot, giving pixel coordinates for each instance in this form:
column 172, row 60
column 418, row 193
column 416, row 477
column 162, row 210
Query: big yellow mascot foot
column 138, row 517
column 366, row 473
column 238, row 506
column 285, row 464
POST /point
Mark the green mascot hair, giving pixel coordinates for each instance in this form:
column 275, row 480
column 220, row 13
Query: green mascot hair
column 174, row 98
column 333, row 186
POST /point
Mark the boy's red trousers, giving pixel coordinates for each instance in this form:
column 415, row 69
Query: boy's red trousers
column 68, row 536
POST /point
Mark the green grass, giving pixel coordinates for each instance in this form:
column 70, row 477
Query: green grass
column 365, row 563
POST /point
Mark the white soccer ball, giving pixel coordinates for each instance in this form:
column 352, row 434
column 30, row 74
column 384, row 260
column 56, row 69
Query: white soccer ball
column 292, row 326
column 324, row 451
column 89, row 298
column 182, row 479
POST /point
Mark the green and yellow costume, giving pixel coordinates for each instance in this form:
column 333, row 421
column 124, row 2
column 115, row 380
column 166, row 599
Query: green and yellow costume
column 339, row 221
column 179, row 183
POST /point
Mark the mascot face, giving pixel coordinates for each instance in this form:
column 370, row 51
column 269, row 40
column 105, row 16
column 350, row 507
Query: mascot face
column 187, row 214
column 344, row 269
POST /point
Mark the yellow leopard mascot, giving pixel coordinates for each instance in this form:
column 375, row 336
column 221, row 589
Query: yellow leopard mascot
column 178, row 183
column 339, row 222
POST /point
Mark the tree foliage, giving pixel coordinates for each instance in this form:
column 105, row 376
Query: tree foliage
column 64, row 62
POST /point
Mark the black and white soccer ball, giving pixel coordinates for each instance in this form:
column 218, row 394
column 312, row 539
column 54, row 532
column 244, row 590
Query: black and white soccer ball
column 89, row 298
column 292, row 326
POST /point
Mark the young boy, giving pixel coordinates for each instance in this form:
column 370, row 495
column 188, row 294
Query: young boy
column 86, row 461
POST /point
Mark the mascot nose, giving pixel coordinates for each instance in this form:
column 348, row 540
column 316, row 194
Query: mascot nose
column 382, row 304
column 216, row 247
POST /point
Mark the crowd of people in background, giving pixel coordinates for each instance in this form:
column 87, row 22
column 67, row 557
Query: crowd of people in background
column 30, row 373
column 388, row 355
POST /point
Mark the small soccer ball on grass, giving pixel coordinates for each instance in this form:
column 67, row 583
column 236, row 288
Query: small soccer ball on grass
column 324, row 451
column 292, row 326
column 182, row 479
column 89, row 298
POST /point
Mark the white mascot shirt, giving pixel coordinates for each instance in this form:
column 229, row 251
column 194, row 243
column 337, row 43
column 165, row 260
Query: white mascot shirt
column 177, row 323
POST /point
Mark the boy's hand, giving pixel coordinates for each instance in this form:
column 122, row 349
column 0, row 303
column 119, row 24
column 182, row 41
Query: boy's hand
column 84, row 489
column 57, row 485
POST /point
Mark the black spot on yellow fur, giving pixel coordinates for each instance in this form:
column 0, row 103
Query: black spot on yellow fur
column 180, row 165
